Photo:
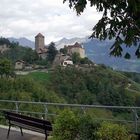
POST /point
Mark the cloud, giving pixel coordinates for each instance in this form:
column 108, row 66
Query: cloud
column 50, row 17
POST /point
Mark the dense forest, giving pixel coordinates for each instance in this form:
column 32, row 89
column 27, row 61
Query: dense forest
column 92, row 85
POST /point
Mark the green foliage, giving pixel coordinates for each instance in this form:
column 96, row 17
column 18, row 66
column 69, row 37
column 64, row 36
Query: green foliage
column 25, row 88
column 63, row 50
column 6, row 68
column 4, row 41
column 76, row 58
column 69, row 126
column 87, row 128
column 134, row 76
column 39, row 76
column 65, row 127
column 97, row 85
column 85, row 61
column 17, row 52
column 120, row 20
column 110, row 131
column 30, row 56
column 51, row 52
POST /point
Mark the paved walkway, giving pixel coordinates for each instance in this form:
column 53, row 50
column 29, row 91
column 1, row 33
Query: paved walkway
column 16, row 135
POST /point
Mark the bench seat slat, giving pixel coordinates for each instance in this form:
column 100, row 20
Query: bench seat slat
column 28, row 118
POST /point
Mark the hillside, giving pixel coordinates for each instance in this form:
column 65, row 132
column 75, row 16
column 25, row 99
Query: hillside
column 83, row 85
column 93, row 85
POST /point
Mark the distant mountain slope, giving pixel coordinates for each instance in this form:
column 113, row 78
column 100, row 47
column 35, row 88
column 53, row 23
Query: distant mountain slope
column 65, row 41
column 23, row 42
column 98, row 51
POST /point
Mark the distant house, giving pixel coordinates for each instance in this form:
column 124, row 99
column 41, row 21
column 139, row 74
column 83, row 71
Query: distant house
column 63, row 60
column 67, row 63
column 19, row 65
column 76, row 48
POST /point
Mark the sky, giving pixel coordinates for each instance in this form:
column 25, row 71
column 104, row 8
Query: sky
column 52, row 18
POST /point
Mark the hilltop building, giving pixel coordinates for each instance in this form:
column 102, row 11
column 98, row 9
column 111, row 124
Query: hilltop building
column 76, row 48
column 62, row 59
column 40, row 46
column 19, row 65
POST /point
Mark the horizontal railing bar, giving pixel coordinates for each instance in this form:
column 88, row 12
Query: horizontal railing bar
column 72, row 105
column 17, row 104
column 30, row 112
column 101, row 119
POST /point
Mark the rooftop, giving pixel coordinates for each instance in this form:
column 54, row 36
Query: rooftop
column 76, row 45
column 39, row 35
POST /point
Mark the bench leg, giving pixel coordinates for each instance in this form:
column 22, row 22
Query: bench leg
column 8, row 131
column 138, row 137
column 21, row 131
column 46, row 137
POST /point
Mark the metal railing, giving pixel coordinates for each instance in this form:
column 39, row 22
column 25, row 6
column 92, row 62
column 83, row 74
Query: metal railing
column 15, row 106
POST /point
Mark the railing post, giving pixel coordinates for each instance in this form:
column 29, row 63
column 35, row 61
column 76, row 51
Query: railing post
column 135, row 119
column 46, row 111
column 83, row 109
column 17, row 108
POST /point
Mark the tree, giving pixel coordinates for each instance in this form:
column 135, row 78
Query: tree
column 87, row 127
column 51, row 52
column 4, row 41
column 66, row 126
column 30, row 56
column 85, row 61
column 5, row 67
column 63, row 50
column 120, row 20
column 76, row 58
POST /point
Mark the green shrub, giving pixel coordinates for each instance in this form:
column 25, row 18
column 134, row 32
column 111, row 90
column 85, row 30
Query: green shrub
column 110, row 131
column 87, row 128
column 66, row 126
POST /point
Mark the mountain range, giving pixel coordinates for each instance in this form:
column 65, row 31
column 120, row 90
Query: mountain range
column 96, row 50
column 23, row 42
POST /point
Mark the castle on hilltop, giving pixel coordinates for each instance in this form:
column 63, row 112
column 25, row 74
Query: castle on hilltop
column 42, row 50
column 40, row 46
column 76, row 48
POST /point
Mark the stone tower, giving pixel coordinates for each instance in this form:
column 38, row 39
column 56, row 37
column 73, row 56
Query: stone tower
column 39, row 42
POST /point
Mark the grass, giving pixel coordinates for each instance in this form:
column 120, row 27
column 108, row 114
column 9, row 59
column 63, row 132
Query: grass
column 39, row 76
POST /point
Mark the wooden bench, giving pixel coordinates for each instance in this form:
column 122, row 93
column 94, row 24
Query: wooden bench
column 26, row 122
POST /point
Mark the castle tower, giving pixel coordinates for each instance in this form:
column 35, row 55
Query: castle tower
column 39, row 42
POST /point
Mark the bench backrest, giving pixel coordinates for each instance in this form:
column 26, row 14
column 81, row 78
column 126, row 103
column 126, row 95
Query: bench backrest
column 31, row 121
